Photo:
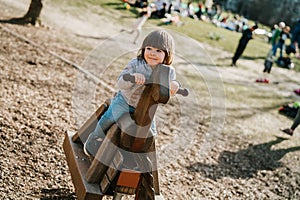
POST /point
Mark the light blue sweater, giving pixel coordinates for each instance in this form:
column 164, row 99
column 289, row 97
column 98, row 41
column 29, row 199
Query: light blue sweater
column 130, row 91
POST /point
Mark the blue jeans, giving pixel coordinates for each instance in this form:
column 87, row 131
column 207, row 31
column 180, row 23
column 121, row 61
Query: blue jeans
column 116, row 110
column 279, row 45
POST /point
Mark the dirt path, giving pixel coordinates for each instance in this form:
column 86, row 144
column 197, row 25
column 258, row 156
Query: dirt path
column 227, row 147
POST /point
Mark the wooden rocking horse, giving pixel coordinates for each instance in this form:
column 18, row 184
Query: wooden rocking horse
column 126, row 162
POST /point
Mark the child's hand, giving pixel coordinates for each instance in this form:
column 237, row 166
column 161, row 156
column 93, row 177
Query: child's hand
column 140, row 79
column 174, row 86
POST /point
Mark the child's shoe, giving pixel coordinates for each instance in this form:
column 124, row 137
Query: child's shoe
column 92, row 145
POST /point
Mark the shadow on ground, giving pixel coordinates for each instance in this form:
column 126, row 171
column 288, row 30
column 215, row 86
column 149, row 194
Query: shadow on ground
column 19, row 21
column 254, row 57
column 246, row 162
column 58, row 194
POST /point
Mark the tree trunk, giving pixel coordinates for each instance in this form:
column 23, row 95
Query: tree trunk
column 31, row 17
column 33, row 14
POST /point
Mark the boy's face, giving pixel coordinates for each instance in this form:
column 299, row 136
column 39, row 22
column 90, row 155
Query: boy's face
column 154, row 56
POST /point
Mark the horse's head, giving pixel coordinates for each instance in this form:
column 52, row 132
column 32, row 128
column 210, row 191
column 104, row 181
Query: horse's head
column 161, row 82
column 156, row 91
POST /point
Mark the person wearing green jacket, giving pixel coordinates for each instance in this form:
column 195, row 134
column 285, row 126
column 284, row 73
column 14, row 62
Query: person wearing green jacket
column 275, row 37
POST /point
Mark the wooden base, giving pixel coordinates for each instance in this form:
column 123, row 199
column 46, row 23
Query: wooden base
column 78, row 164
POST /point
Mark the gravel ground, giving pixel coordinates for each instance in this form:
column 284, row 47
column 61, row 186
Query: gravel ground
column 36, row 110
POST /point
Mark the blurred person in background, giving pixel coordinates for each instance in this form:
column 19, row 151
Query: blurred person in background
column 246, row 37
column 290, row 131
column 295, row 40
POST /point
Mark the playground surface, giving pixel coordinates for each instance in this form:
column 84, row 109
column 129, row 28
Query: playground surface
column 236, row 150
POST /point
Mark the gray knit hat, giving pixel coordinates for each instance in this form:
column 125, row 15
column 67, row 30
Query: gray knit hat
column 160, row 39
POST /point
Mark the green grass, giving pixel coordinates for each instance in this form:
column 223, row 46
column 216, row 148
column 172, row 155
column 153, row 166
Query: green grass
column 297, row 64
column 203, row 32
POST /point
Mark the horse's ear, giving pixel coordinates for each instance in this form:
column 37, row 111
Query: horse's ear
column 161, row 79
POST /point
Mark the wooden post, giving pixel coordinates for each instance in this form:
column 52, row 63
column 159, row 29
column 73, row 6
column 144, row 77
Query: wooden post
column 157, row 92
column 104, row 155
